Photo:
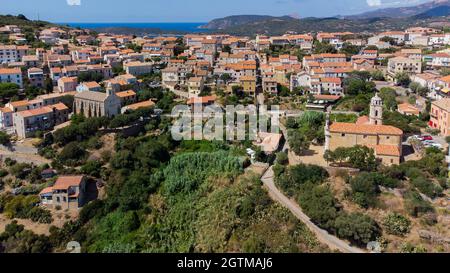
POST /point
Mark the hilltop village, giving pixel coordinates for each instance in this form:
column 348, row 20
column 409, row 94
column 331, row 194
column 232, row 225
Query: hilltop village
column 85, row 141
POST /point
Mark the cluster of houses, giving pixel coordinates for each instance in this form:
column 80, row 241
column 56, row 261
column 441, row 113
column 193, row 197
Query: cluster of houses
column 194, row 63
column 62, row 64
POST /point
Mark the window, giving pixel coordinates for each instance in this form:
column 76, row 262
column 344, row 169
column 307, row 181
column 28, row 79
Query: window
column 388, row 137
column 342, row 135
column 57, row 199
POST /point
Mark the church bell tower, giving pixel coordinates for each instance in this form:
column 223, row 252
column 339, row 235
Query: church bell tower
column 376, row 111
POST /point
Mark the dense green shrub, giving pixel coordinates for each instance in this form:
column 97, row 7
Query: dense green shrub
column 357, row 228
column 397, row 224
column 415, row 205
column 24, row 207
column 92, row 168
column 20, row 170
column 409, row 248
column 294, row 176
column 3, row 172
column 319, row 204
column 79, row 130
column 40, row 215
column 282, row 158
column 15, row 239
column 72, row 154
column 364, row 190
column 426, row 187
column 365, row 187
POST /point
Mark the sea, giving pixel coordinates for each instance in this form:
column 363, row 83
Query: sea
column 180, row 27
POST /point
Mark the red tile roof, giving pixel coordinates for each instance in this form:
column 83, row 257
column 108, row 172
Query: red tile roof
column 64, row 182
column 352, row 128
column 390, row 150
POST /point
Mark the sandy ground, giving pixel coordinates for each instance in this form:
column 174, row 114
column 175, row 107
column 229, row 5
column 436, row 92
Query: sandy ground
column 313, row 156
column 108, row 141
column 59, row 218
column 30, row 225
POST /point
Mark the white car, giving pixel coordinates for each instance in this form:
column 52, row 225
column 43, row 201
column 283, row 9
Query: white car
column 436, row 145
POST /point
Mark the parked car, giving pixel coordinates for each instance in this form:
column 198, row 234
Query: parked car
column 428, row 142
column 426, row 137
column 436, row 145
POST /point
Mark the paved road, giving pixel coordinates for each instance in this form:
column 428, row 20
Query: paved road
column 401, row 91
column 322, row 235
column 23, row 154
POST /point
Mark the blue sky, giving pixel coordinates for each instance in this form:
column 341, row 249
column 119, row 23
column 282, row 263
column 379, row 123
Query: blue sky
column 185, row 10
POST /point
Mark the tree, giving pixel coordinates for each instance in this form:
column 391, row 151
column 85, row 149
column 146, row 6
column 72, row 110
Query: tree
column 72, row 153
column 225, row 78
column 360, row 157
column 226, row 49
column 418, row 89
column 92, row 168
column 32, row 91
column 48, row 85
column 358, row 83
column 291, row 180
column 122, row 160
column 402, row 79
column 389, row 98
column 389, row 40
column 298, row 142
column 320, row 48
column 349, row 49
column 151, row 155
column 90, row 77
column 364, row 191
column 377, row 75
column 282, row 158
column 5, row 139
column 283, row 91
column 8, row 90
column 319, row 204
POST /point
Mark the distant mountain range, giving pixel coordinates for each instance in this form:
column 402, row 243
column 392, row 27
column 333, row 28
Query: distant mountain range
column 436, row 14
column 401, row 12
column 237, row 20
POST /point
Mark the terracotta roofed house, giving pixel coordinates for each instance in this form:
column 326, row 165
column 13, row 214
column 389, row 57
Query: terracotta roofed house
column 408, row 109
column 127, row 97
column 69, row 192
column 11, row 75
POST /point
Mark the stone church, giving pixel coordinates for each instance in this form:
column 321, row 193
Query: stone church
column 385, row 140
column 97, row 104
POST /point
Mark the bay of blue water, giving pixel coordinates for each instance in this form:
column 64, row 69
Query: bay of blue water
column 186, row 27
